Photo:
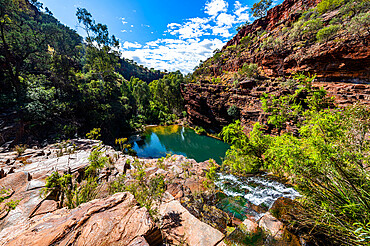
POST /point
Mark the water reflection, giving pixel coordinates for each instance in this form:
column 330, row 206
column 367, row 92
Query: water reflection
column 160, row 140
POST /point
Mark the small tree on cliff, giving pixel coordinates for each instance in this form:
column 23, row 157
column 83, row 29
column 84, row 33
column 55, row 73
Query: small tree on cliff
column 260, row 8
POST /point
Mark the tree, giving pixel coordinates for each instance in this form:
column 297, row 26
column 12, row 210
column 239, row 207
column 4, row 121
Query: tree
column 260, row 9
column 102, row 55
column 23, row 39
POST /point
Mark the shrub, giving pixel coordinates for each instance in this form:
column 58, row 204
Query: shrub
column 94, row 134
column 328, row 164
column 246, row 153
column 97, row 161
column 146, row 190
column 233, row 111
column 245, row 41
column 200, row 130
column 326, row 5
column 310, row 27
column 125, row 147
column 327, row 32
column 12, row 204
column 359, row 24
column 249, row 70
column 20, row 149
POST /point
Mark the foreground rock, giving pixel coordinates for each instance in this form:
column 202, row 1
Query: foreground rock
column 109, row 220
column 117, row 220
column 180, row 226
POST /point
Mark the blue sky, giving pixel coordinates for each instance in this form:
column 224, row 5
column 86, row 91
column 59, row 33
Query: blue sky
column 171, row 35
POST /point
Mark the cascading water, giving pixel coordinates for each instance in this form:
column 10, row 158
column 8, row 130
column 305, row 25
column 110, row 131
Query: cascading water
column 251, row 196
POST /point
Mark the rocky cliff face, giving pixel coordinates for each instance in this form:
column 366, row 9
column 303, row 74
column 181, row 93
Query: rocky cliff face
column 283, row 43
column 207, row 104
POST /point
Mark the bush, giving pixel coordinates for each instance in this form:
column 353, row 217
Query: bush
column 327, row 32
column 245, row 41
column 249, row 70
column 146, row 190
column 20, row 149
column 310, row 27
column 359, row 24
column 326, row 5
column 200, row 130
column 328, row 165
column 246, row 153
column 234, row 111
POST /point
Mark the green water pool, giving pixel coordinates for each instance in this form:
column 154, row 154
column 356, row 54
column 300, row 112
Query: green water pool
column 158, row 141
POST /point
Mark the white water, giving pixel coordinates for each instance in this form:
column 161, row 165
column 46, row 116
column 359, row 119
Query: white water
column 257, row 190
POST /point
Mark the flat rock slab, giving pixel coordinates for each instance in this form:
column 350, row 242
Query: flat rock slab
column 180, row 226
column 116, row 220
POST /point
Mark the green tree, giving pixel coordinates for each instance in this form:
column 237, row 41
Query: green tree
column 23, row 39
column 101, row 52
column 260, row 8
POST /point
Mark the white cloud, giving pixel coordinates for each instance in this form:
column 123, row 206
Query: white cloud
column 174, row 54
column 123, row 21
column 128, row 45
column 184, row 44
column 192, row 28
column 225, row 19
column 216, row 6
column 241, row 12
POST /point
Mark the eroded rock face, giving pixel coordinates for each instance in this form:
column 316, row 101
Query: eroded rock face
column 116, row 220
column 344, row 59
column 207, row 104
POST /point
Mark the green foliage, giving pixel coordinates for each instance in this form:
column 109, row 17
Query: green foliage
column 326, row 33
column 233, row 111
column 124, row 147
column 146, row 190
column 200, row 130
column 101, row 57
column 4, row 194
column 311, row 27
column 260, row 8
column 12, row 204
column 72, row 194
column 359, row 24
column 245, row 154
column 291, row 107
column 97, row 161
column 61, row 84
column 245, row 41
column 94, row 134
column 249, row 70
column 282, row 109
column 326, row 5
column 20, row 149
column 328, row 163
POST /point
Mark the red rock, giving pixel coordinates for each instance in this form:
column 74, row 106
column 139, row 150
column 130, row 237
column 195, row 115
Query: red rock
column 272, row 226
column 116, row 220
column 179, row 225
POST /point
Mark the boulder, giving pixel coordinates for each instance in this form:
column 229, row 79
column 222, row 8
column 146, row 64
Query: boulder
column 180, row 226
column 272, row 226
column 116, row 220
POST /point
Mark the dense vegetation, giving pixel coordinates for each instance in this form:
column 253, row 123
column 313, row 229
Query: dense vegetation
column 327, row 159
column 63, row 85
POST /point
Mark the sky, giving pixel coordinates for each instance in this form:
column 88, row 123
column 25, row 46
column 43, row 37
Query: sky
column 162, row 34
